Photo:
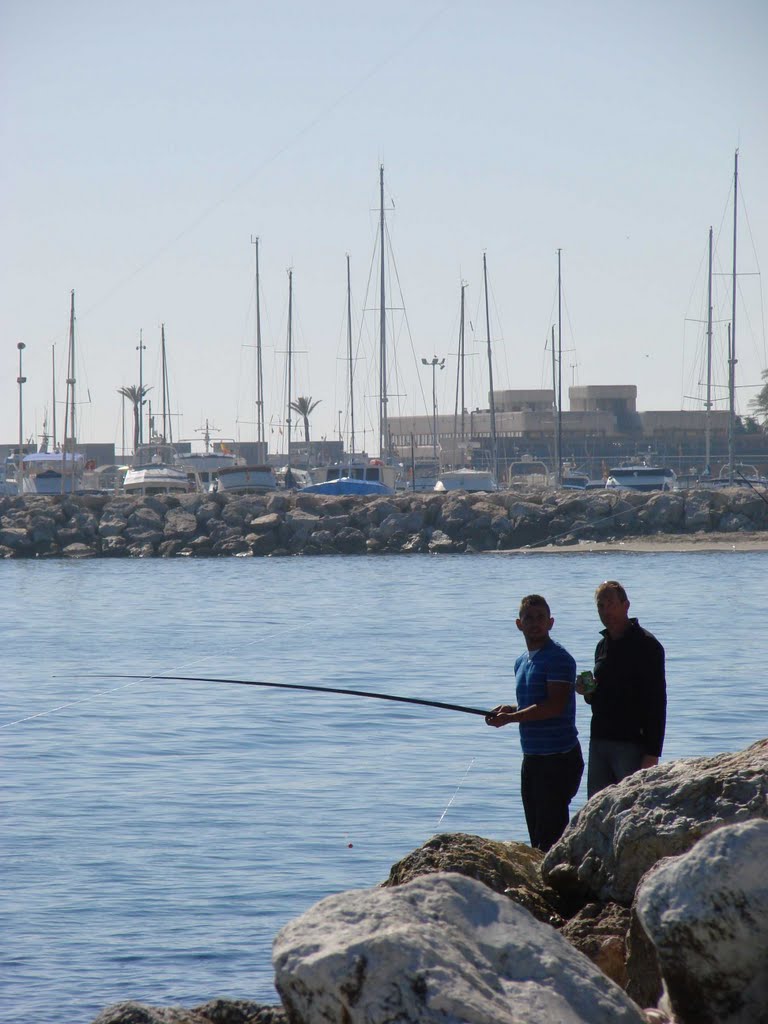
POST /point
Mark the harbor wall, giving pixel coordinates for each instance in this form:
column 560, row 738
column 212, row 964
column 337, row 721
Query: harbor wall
column 292, row 523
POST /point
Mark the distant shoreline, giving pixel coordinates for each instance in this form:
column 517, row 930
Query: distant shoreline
column 672, row 543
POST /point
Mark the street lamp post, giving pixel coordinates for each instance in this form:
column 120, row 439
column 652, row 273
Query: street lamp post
column 20, row 380
column 436, row 364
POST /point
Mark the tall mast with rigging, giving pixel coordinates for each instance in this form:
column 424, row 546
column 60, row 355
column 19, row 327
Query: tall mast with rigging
column 350, row 362
column 559, row 391
column 261, row 434
column 70, row 436
column 732, row 333
column 53, row 392
column 383, row 417
column 290, row 358
column 708, row 403
column 167, row 429
column 492, row 402
column 459, row 428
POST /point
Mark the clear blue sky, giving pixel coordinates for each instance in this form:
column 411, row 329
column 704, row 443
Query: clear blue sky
column 144, row 143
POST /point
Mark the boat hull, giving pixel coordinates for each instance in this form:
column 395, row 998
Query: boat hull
column 247, row 479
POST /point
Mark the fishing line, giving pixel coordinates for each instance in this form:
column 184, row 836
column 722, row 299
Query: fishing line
column 305, row 686
column 134, row 679
column 70, row 704
column 461, row 783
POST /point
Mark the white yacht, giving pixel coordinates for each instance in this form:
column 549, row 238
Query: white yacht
column 642, row 477
column 357, row 467
column 154, row 472
column 52, row 473
column 203, row 468
column 528, row 471
column 466, row 480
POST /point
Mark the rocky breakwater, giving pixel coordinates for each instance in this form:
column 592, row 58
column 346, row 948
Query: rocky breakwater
column 653, row 907
column 286, row 523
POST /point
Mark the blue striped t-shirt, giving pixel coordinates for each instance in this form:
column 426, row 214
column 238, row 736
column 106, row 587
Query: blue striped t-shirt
column 533, row 670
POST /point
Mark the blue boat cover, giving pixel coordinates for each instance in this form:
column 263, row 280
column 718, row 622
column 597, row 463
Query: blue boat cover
column 346, row 485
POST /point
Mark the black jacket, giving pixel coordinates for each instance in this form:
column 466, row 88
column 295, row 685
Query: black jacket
column 630, row 701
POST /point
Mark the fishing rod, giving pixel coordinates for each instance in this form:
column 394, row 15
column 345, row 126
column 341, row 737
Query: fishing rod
column 303, row 686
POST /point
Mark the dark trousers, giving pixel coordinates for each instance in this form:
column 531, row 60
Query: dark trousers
column 548, row 783
column 610, row 761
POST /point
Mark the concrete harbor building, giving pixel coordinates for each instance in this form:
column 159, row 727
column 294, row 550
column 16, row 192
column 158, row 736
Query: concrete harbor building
column 600, row 426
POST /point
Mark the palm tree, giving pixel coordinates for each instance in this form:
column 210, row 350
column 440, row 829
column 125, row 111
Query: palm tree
column 760, row 402
column 303, row 407
column 135, row 396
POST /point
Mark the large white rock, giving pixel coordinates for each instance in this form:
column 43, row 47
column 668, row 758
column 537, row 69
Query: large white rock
column 660, row 812
column 707, row 914
column 443, row 948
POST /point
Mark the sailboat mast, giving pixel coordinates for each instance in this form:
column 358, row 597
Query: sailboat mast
column 559, row 398
column 554, row 386
column 461, row 356
column 460, row 403
column 53, row 391
column 732, row 341
column 708, row 416
column 492, row 403
column 290, row 357
column 383, row 420
column 261, row 434
column 351, row 362
column 70, row 439
column 167, row 429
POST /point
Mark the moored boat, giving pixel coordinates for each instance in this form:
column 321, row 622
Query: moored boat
column 357, row 467
column 52, row 473
column 246, row 479
column 155, row 473
column 203, row 468
column 466, row 480
column 347, row 485
column 528, row 471
column 642, row 477
column 744, row 475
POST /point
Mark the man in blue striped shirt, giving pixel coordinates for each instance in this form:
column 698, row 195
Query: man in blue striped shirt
column 552, row 767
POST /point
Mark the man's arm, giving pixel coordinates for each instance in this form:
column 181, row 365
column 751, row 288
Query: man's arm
column 552, row 706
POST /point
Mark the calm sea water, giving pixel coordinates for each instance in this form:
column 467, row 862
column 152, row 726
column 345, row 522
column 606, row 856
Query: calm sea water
column 157, row 835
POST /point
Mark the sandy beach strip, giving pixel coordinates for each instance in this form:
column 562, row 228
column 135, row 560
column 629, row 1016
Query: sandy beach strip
column 672, row 542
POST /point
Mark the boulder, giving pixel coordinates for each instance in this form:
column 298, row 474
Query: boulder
column 78, row 550
column 599, row 931
column 262, row 524
column 644, row 983
column 442, row 948
column 659, row 812
column 510, row 869
column 114, row 547
column 17, row 538
column 664, row 512
column 349, row 541
column 441, row 543
column 707, row 915
column 207, row 511
column 401, row 523
column 218, row 1011
column 180, row 525
column 699, row 514
column 261, row 543
column 112, row 523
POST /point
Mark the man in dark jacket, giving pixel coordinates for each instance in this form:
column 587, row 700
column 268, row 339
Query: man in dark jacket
column 629, row 701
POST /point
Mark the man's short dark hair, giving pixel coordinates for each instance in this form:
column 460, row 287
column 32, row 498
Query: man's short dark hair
column 531, row 601
column 611, row 587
